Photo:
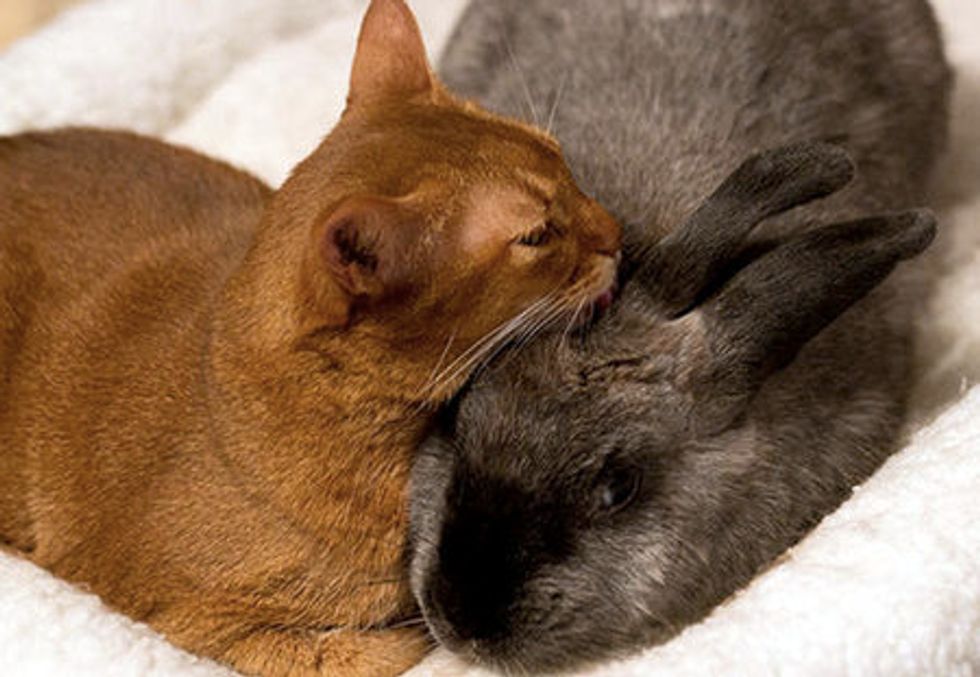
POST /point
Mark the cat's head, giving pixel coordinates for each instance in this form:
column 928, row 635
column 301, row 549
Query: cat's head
column 429, row 222
column 588, row 497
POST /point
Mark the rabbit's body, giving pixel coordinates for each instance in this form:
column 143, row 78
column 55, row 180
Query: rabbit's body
column 655, row 103
column 658, row 100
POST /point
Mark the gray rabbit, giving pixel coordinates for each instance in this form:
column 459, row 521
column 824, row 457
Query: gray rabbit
column 595, row 492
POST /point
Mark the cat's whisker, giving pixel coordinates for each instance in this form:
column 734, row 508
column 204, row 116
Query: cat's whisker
column 412, row 622
column 445, row 352
column 515, row 332
column 462, row 360
column 534, row 325
column 427, row 386
column 525, row 334
column 575, row 316
column 381, row 581
column 556, row 102
column 547, row 307
column 503, row 327
column 549, row 315
column 474, row 353
column 492, row 347
column 520, row 74
column 558, row 308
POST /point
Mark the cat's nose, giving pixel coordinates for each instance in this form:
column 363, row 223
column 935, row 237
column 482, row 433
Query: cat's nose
column 606, row 233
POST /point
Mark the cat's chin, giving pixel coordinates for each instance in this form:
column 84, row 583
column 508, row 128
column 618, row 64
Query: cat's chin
column 602, row 300
column 591, row 312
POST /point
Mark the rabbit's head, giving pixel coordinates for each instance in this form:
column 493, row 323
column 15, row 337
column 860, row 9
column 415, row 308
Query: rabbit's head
column 585, row 497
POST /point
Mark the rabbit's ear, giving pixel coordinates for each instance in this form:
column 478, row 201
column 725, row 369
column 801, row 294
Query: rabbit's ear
column 679, row 268
column 758, row 322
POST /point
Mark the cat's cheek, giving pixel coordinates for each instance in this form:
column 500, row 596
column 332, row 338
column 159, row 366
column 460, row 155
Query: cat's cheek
column 558, row 253
column 545, row 269
column 524, row 258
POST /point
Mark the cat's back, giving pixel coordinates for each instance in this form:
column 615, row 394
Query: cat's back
column 83, row 203
column 111, row 245
column 96, row 219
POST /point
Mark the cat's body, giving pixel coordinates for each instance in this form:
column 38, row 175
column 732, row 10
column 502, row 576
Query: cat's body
column 127, row 372
column 656, row 101
column 210, row 391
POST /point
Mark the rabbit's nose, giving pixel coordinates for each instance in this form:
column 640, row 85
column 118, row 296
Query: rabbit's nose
column 474, row 586
column 469, row 611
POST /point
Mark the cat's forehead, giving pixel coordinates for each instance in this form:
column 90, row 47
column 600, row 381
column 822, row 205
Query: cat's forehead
column 499, row 207
column 540, row 186
column 466, row 135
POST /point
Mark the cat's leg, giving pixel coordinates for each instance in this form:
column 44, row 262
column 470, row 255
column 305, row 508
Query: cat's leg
column 292, row 634
column 339, row 653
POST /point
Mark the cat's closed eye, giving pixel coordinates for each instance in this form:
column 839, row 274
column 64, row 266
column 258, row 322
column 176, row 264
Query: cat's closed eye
column 540, row 236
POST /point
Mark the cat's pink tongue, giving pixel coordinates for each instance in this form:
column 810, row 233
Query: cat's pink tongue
column 605, row 300
column 600, row 304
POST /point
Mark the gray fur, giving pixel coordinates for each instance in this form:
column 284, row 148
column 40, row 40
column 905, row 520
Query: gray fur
column 684, row 386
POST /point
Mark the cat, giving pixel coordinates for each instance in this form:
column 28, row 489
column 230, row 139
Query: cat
column 210, row 391
column 590, row 496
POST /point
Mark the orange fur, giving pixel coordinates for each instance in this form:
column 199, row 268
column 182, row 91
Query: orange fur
column 210, row 392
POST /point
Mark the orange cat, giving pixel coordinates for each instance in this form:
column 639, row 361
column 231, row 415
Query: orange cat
column 210, row 392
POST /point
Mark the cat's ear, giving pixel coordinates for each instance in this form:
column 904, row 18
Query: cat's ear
column 678, row 269
column 761, row 318
column 365, row 248
column 390, row 60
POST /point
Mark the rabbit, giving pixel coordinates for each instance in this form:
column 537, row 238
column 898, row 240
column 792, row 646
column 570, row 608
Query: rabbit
column 595, row 492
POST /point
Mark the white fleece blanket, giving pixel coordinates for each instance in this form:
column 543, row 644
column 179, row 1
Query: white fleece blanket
column 887, row 585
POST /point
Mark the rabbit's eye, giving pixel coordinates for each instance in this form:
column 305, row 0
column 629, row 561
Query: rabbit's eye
column 617, row 489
